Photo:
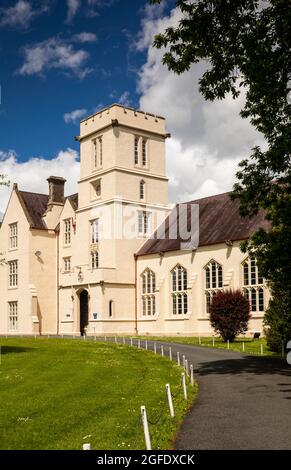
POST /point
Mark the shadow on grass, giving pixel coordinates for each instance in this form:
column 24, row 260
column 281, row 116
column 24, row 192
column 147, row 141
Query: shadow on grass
column 14, row 349
column 248, row 364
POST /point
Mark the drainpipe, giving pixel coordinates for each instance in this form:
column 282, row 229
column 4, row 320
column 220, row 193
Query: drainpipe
column 58, row 282
column 135, row 306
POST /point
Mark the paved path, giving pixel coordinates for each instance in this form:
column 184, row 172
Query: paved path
column 244, row 402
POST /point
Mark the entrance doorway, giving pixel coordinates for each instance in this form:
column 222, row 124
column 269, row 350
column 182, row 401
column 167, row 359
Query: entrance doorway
column 84, row 311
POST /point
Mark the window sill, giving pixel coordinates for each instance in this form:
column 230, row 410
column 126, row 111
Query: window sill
column 11, row 250
column 13, row 288
column 180, row 317
column 257, row 314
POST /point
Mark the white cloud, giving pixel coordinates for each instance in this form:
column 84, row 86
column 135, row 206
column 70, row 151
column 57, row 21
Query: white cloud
column 208, row 138
column 75, row 116
column 21, row 14
column 65, row 164
column 85, row 37
column 90, row 7
column 54, row 53
column 124, row 99
column 73, row 7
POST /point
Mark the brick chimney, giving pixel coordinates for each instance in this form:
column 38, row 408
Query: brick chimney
column 56, row 191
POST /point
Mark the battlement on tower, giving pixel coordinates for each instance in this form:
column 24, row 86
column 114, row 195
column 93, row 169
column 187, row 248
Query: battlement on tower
column 118, row 115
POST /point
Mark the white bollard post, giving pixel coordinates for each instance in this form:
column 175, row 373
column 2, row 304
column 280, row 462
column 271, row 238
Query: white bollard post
column 162, row 350
column 86, row 446
column 187, row 367
column 213, row 341
column 178, row 359
column 171, row 407
column 183, row 361
column 191, row 375
column 262, row 350
column 115, row 339
column 105, row 339
column 146, row 345
column 170, row 354
column 123, row 340
column 155, row 348
column 131, row 342
column 138, row 344
column 146, row 428
column 184, row 385
column 243, row 346
column 228, row 344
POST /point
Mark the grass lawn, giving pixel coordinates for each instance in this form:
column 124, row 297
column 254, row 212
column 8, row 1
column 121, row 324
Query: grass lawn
column 246, row 345
column 59, row 394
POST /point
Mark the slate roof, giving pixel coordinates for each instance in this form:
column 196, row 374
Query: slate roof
column 219, row 220
column 35, row 206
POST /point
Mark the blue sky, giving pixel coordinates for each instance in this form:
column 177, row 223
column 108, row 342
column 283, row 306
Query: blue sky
column 34, row 102
column 63, row 60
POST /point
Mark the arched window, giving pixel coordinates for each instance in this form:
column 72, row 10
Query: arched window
column 148, row 297
column 179, row 290
column 213, row 281
column 142, row 190
column 253, row 285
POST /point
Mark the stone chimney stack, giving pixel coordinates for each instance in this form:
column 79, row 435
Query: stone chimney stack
column 56, row 191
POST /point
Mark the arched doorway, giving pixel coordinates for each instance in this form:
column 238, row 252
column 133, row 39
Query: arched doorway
column 84, row 311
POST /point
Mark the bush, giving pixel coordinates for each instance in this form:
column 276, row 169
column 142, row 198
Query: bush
column 229, row 314
column 277, row 319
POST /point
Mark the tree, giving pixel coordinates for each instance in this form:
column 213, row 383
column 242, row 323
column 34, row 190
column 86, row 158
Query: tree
column 229, row 314
column 246, row 45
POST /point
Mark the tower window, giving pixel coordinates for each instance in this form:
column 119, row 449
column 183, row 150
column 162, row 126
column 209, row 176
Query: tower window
column 94, row 260
column 97, row 152
column 144, row 152
column 67, row 264
column 144, row 219
column 94, row 231
column 142, row 190
column 136, row 142
column 96, row 189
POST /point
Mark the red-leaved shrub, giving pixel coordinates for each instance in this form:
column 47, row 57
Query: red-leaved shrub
column 229, row 314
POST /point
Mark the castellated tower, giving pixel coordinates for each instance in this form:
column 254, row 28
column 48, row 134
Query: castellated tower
column 122, row 198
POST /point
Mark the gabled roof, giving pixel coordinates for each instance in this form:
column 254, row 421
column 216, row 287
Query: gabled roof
column 74, row 201
column 35, row 206
column 219, row 221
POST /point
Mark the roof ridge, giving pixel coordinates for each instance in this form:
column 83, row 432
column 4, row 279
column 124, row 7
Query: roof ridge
column 205, row 197
column 30, row 192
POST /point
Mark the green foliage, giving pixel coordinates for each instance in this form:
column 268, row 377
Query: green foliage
column 246, row 47
column 278, row 327
column 4, row 181
column 229, row 314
